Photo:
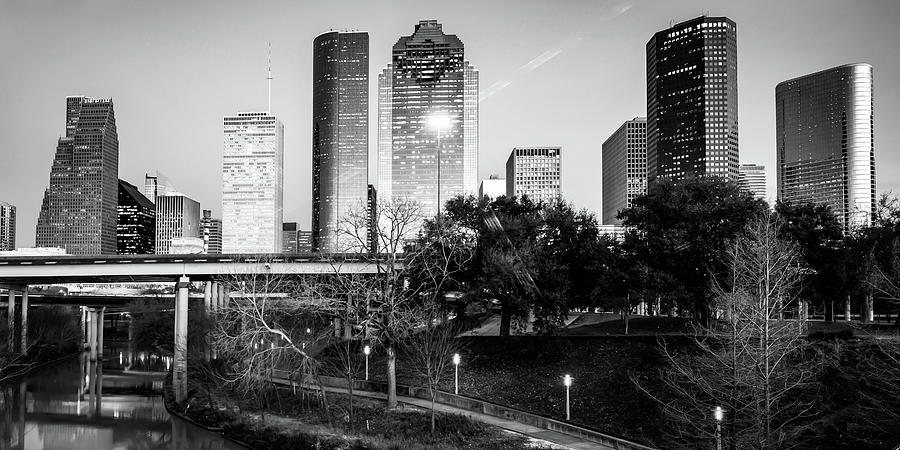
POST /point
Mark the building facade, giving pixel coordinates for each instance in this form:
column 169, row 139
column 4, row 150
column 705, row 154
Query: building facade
column 535, row 172
column 492, row 187
column 427, row 120
column 752, row 179
column 211, row 231
column 692, row 103
column 340, row 133
column 155, row 185
column 78, row 212
column 624, row 168
column 289, row 237
column 252, row 183
column 7, row 227
column 177, row 216
column 825, row 138
column 304, row 241
column 136, row 225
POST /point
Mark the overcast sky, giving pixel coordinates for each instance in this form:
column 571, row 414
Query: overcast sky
column 552, row 72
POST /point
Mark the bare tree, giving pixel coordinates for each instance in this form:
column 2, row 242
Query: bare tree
column 270, row 323
column 431, row 349
column 752, row 363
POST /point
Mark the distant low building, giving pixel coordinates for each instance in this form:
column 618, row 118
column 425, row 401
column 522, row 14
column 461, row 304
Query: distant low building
column 176, row 216
column 211, row 230
column 492, row 187
column 7, row 227
column 187, row 246
column 752, row 179
column 535, row 172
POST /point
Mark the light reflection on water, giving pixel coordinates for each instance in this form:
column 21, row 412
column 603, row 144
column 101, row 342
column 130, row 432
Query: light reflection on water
column 115, row 404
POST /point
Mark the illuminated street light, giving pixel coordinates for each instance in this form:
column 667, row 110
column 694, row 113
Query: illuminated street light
column 718, row 414
column 456, row 361
column 366, row 351
column 567, row 380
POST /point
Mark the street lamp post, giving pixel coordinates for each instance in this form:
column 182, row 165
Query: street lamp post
column 718, row 413
column 456, row 361
column 567, row 380
column 439, row 122
column 366, row 351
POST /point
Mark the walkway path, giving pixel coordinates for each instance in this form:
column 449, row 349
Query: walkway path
column 542, row 436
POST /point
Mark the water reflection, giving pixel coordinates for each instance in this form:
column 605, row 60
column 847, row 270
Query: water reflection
column 113, row 404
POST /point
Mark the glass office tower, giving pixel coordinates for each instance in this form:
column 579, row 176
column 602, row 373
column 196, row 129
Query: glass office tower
column 340, row 134
column 252, row 183
column 136, row 226
column 78, row 212
column 825, row 138
column 692, row 104
column 624, row 166
column 428, row 78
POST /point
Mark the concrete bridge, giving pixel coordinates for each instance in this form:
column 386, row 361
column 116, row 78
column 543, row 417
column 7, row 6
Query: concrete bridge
column 18, row 272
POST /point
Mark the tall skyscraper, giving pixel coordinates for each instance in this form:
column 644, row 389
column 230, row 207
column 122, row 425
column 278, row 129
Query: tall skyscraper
column 252, row 178
column 136, row 225
column 692, row 103
column 752, row 179
column 427, row 120
column 825, row 135
column 156, row 185
column 177, row 216
column 340, row 133
column 624, row 167
column 492, row 187
column 211, row 231
column 7, row 227
column 535, row 172
column 78, row 212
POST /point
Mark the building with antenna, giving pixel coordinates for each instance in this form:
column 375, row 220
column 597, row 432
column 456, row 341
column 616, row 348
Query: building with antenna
column 340, row 139
column 252, row 181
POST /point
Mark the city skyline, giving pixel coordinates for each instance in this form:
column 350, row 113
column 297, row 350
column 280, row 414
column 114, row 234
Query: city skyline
column 555, row 50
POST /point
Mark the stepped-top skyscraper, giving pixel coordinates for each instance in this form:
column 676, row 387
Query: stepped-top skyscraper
column 252, row 179
column 692, row 102
column 340, row 133
column 78, row 212
column 825, row 138
column 427, row 120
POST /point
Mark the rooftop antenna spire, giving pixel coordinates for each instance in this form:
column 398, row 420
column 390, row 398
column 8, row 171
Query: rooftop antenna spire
column 269, row 78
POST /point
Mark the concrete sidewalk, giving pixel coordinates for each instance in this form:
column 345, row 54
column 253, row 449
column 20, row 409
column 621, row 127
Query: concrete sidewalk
column 540, row 435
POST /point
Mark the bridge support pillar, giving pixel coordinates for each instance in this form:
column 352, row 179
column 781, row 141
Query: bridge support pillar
column 24, row 343
column 207, row 296
column 11, row 320
column 92, row 333
column 179, row 372
column 215, row 295
column 101, row 319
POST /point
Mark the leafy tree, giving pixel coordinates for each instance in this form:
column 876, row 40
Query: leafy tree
column 819, row 236
column 681, row 229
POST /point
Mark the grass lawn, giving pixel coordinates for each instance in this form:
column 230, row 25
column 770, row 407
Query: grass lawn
column 291, row 423
column 526, row 373
column 605, row 324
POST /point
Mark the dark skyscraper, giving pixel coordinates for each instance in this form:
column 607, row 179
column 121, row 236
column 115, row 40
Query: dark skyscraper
column 79, row 212
column 340, row 133
column 372, row 210
column 427, row 120
column 692, row 109
column 136, row 226
column 825, row 137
